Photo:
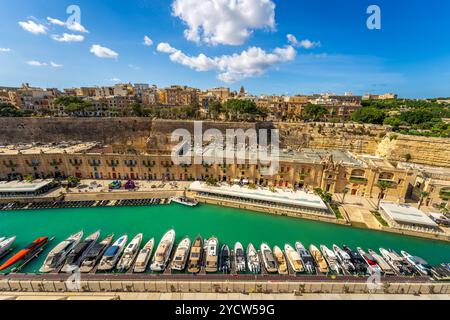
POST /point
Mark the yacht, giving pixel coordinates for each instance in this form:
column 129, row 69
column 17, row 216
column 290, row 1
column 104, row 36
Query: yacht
column 196, row 256
column 385, row 267
column 130, row 253
column 269, row 259
column 421, row 265
column 112, row 254
column 79, row 252
column 374, row 268
column 225, row 259
column 28, row 253
column 58, row 254
column 318, row 257
column 359, row 263
column 308, row 261
column 5, row 246
column 212, row 255
column 94, row 255
column 144, row 256
column 163, row 251
column 281, row 261
column 185, row 201
column 181, row 255
column 253, row 262
column 239, row 257
column 294, row 259
column 332, row 259
column 397, row 262
column 344, row 259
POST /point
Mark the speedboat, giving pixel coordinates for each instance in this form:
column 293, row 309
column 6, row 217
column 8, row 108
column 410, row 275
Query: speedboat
column 225, row 259
column 294, row 259
column 78, row 253
column 185, row 201
column 58, row 254
column 374, row 268
column 144, row 256
column 239, row 257
column 181, row 255
column 130, row 253
column 344, row 259
column 5, row 245
column 397, row 262
column 358, row 261
column 320, row 260
column 212, row 255
column 269, row 259
column 332, row 259
column 281, row 261
column 94, row 254
column 196, row 256
column 385, row 267
column 253, row 262
column 27, row 253
column 112, row 254
column 308, row 261
column 421, row 265
column 163, row 251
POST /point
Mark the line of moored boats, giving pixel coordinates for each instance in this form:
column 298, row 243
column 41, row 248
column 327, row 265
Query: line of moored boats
column 90, row 254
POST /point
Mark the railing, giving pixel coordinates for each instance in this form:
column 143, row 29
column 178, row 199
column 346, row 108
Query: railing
column 361, row 180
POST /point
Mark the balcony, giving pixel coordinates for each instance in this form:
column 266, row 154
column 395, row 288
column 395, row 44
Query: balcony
column 130, row 163
column 149, row 164
column 76, row 162
column 95, row 163
column 444, row 194
column 10, row 164
column 113, row 163
column 358, row 180
column 55, row 163
column 33, row 163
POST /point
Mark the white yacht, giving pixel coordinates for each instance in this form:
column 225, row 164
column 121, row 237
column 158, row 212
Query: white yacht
column 112, row 254
column 332, row 259
column 58, row 254
column 212, row 255
column 421, row 265
column 95, row 254
column 253, row 262
column 281, row 261
column 181, row 255
column 239, row 257
column 269, row 260
column 76, row 256
column 5, row 245
column 384, row 265
column 163, row 251
column 320, row 260
column 307, row 259
column 130, row 253
column 294, row 259
column 344, row 259
column 185, row 201
column 144, row 256
column 373, row 266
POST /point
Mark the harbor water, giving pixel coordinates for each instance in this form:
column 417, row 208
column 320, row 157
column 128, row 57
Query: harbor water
column 229, row 225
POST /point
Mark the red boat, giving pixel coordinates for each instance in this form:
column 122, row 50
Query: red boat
column 25, row 253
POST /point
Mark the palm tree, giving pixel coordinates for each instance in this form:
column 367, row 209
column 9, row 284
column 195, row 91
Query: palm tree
column 423, row 195
column 345, row 192
column 383, row 186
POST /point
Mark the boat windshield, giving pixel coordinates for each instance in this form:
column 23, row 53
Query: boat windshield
column 112, row 251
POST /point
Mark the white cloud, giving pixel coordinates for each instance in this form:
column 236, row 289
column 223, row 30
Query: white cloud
column 147, row 41
column 305, row 44
column 33, row 27
column 36, row 63
column 132, row 66
column 115, row 80
column 56, row 22
column 228, row 22
column 231, row 68
column 74, row 26
column 103, row 52
column 68, row 37
column 56, row 65
column 5, row 50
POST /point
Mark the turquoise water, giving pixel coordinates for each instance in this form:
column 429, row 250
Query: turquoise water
column 229, row 225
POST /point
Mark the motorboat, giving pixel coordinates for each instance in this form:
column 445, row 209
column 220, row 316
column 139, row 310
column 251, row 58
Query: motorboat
column 239, row 258
column 94, row 254
column 181, row 255
column 281, row 261
column 58, row 254
column 331, row 259
column 308, row 261
column 344, row 259
column 144, row 256
column 29, row 252
column 5, row 246
column 358, row 261
column 374, row 268
column 130, row 253
column 397, row 262
column 385, row 267
column 78, row 253
column 269, row 260
column 294, row 259
column 212, row 255
column 163, row 251
column 185, row 201
column 253, row 262
column 421, row 265
column 196, row 256
column 112, row 254
column 320, row 260
column 225, row 259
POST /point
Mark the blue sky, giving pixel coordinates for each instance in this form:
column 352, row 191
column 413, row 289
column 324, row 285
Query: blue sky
column 410, row 55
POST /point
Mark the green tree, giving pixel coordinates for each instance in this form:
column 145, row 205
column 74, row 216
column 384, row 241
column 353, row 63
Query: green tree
column 423, row 196
column 73, row 181
column 383, row 186
column 215, row 108
column 369, row 115
column 314, row 112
